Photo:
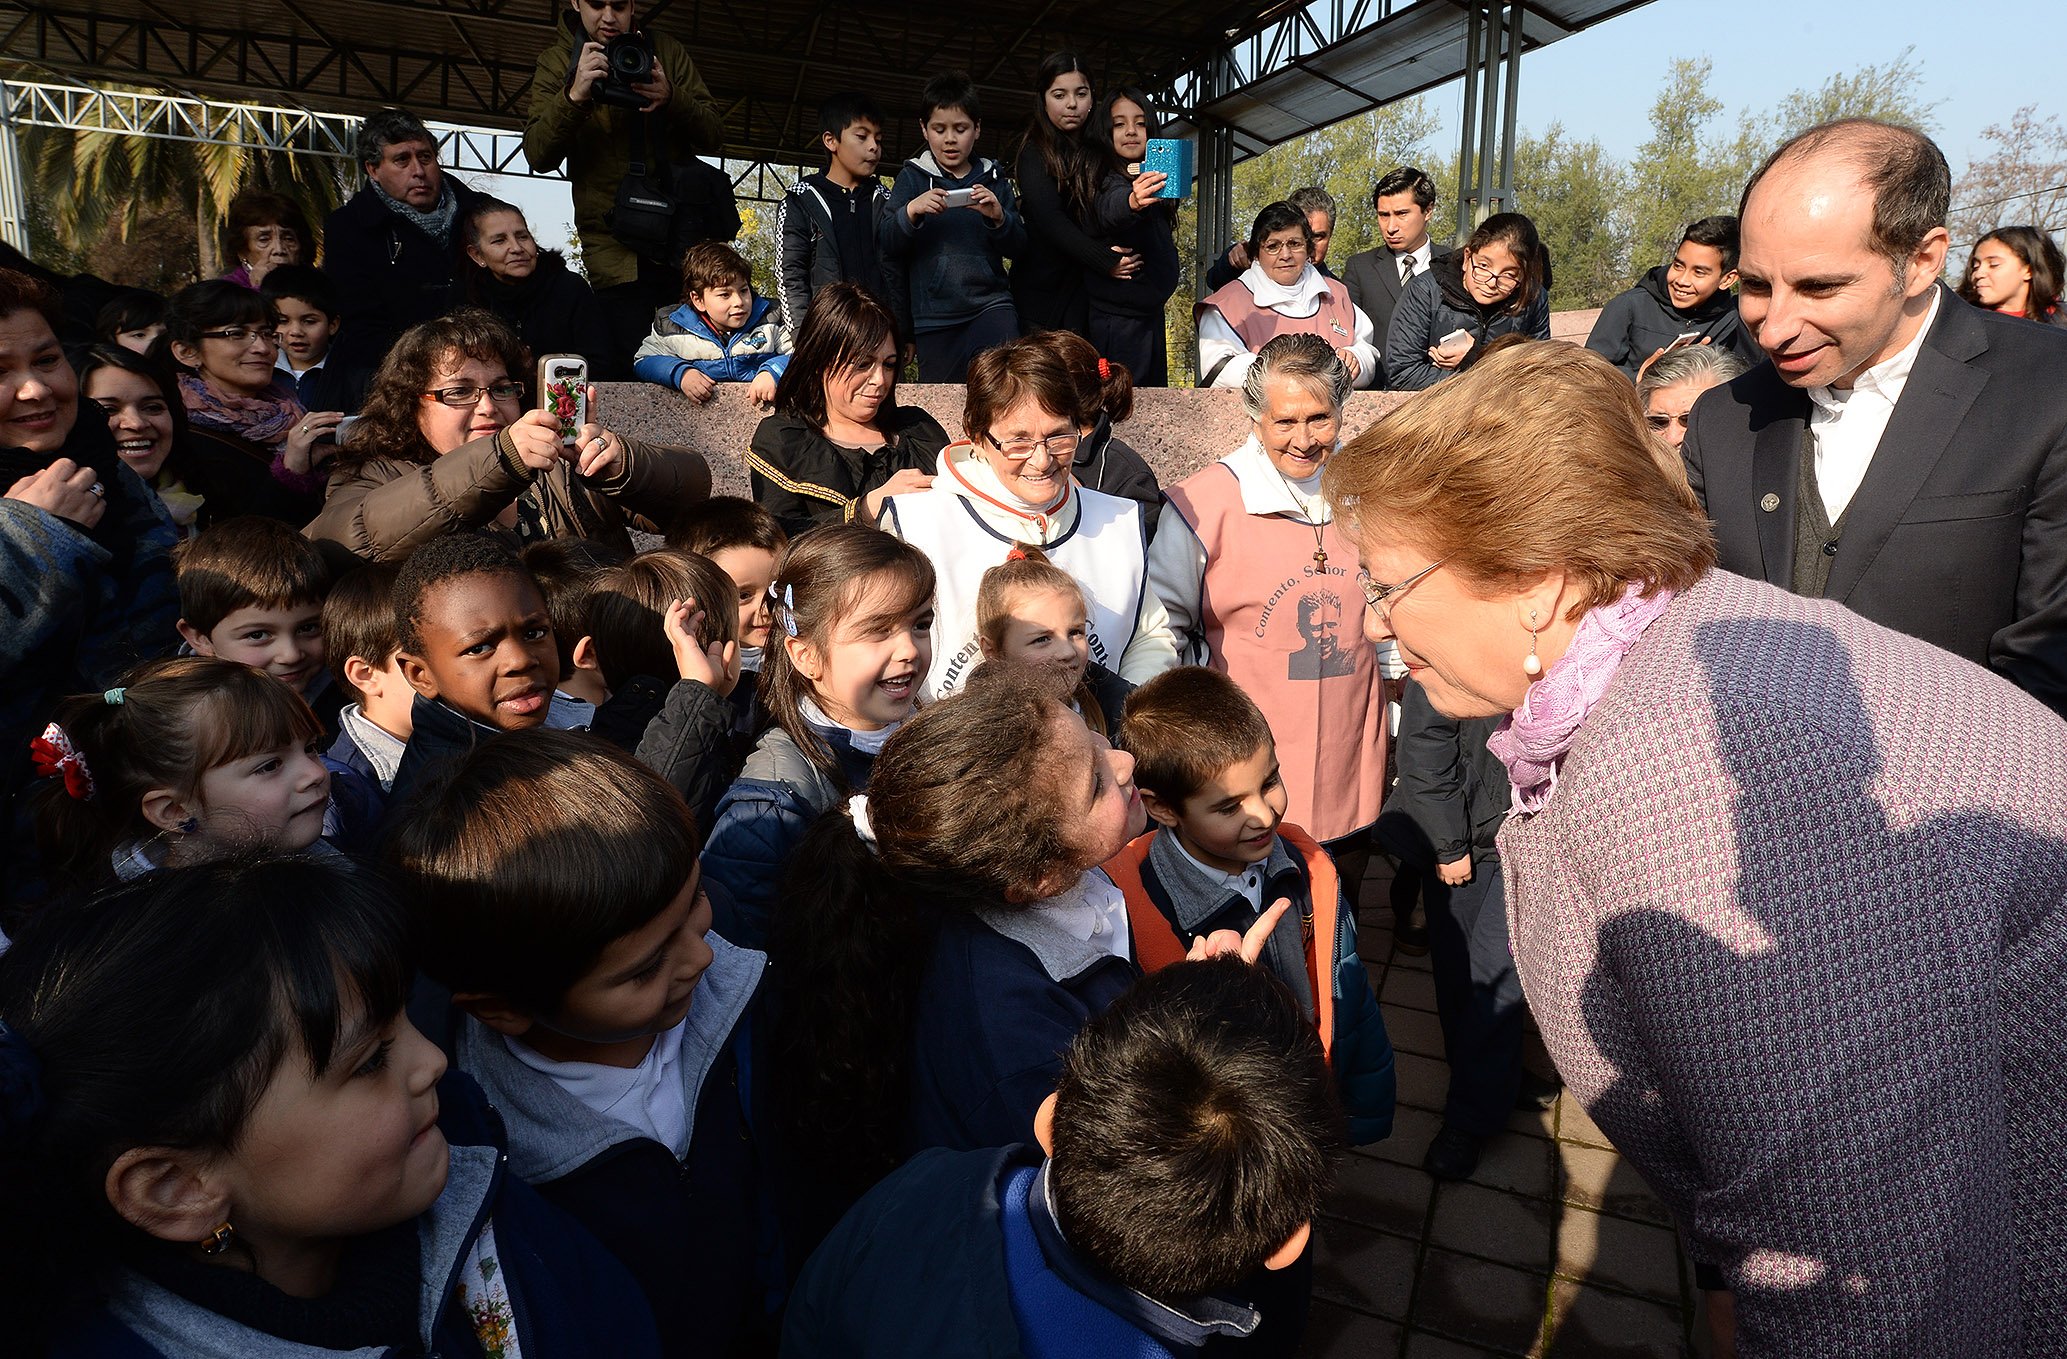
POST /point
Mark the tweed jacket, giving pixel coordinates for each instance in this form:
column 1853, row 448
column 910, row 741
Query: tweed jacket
column 1792, row 924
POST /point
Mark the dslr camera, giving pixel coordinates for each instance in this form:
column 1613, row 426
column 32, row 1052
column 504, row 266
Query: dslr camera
column 630, row 57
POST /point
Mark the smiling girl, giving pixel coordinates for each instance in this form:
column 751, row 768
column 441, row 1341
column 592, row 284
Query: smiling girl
column 237, row 1143
column 190, row 759
column 140, row 398
column 849, row 647
column 1012, row 481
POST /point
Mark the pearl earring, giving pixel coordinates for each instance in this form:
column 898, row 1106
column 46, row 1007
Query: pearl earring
column 1531, row 665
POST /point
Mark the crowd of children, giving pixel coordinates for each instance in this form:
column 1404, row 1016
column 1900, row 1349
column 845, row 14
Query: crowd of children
column 473, row 928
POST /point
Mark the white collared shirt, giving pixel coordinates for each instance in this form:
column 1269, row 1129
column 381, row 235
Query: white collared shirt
column 1422, row 258
column 1247, row 884
column 1094, row 911
column 649, row 1096
column 1221, row 346
column 281, row 363
column 1847, row 425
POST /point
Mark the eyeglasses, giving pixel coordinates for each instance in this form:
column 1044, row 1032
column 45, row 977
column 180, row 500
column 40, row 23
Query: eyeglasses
column 1661, row 422
column 507, row 390
column 1284, row 247
column 1509, row 277
column 243, row 335
column 1380, row 596
column 1019, row 450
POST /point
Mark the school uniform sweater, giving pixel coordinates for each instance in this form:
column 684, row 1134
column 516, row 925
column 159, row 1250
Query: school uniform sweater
column 947, row 268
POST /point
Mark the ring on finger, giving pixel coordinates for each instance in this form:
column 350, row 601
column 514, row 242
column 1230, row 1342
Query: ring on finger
column 97, row 491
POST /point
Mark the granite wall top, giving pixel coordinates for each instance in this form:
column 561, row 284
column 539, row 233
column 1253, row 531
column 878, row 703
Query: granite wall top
column 1178, row 430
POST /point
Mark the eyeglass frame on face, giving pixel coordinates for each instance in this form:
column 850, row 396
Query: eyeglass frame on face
column 1294, row 247
column 1378, row 596
column 1660, row 421
column 443, row 395
column 1511, row 277
column 1019, row 450
column 242, row 335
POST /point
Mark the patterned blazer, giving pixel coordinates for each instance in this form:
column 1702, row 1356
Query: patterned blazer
column 1792, row 926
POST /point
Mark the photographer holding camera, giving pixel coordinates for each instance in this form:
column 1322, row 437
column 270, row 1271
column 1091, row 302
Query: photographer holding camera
column 594, row 99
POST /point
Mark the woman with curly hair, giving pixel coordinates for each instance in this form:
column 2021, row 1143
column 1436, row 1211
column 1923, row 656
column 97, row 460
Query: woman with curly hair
column 444, row 445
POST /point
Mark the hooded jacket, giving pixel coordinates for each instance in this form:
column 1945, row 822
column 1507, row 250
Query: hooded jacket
column 810, row 247
column 567, row 1296
column 594, row 140
column 682, row 339
column 696, row 1233
column 383, row 509
column 1642, row 321
column 805, row 479
column 1436, row 303
column 950, row 265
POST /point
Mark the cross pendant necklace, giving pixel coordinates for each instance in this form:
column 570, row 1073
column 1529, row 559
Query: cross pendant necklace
column 1320, row 558
column 1320, row 550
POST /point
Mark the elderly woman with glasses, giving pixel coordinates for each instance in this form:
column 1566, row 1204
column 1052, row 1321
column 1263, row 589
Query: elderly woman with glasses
column 1259, row 582
column 254, row 449
column 1786, row 887
column 1498, row 284
column 444, row 445
column 1281, row 293
column 1010, row 483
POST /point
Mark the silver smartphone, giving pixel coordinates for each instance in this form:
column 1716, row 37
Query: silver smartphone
column 960, row 198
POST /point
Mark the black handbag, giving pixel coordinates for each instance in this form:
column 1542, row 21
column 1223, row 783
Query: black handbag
column 662, row 210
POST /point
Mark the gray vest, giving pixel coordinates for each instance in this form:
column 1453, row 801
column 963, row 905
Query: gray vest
column 1815, row 537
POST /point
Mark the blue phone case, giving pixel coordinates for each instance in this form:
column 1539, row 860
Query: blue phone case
column 1172, row 156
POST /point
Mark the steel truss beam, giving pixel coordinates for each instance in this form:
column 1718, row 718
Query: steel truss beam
column 296, row 131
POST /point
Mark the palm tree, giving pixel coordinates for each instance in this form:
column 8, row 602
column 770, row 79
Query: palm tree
column 93, row 182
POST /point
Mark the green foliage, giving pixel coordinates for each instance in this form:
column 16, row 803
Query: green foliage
column 1577, row 195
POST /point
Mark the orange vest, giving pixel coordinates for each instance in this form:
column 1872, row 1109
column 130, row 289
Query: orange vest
column 1156, row 944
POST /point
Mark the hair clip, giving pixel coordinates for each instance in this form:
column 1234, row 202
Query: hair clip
column 113, row 697
column 55, row 757
column 1017, row 554
column 1104, row 369
column 857, row 812
column 789, row 610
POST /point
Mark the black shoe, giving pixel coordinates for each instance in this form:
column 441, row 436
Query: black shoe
column 1453, row 1155
column 1538, row 1092
column 1408, row 937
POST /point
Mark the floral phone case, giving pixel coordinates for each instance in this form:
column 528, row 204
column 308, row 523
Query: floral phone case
column 563, row 389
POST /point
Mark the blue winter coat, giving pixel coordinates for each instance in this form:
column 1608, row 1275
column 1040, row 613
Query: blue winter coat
column 682, row 340
column 1360, row 1051
column 762, row 819
column 569, row 1298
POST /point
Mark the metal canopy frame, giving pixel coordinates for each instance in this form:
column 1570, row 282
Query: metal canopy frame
column 1244, row 75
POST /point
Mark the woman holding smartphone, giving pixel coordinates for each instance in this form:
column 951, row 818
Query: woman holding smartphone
column 444, row 444
column 1498, row 284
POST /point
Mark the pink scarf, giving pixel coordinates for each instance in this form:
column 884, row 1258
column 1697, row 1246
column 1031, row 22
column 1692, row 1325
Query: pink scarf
column 263, row 420
column 1532, row 741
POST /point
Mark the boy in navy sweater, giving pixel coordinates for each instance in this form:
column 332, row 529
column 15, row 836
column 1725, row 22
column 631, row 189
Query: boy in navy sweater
column 1182, row 1156
column 946, row 233
column 1223, row 852
column 558, row 898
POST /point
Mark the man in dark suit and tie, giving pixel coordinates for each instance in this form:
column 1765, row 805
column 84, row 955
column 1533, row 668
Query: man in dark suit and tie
column 1899, row 451
column 1402, row 201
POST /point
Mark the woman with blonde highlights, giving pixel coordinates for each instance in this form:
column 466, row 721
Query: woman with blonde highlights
column 1795, row 943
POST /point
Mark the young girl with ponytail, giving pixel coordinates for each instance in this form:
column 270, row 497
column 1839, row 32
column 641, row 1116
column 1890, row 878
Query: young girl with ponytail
column 850, row 643
column 190, row 757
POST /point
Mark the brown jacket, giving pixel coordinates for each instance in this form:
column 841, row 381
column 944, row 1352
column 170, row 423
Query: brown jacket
column 383, row 509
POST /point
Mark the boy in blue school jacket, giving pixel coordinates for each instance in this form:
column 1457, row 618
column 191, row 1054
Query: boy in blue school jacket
column 1222, row 853
column 722, row 332
column 560, row 902
column 1180, row 1161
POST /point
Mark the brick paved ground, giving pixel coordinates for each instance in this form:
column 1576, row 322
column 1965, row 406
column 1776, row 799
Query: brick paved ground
column 1553, row 1248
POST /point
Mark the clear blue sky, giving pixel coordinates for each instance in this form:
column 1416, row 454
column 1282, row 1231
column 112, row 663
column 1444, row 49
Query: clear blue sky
column 1981, row 60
